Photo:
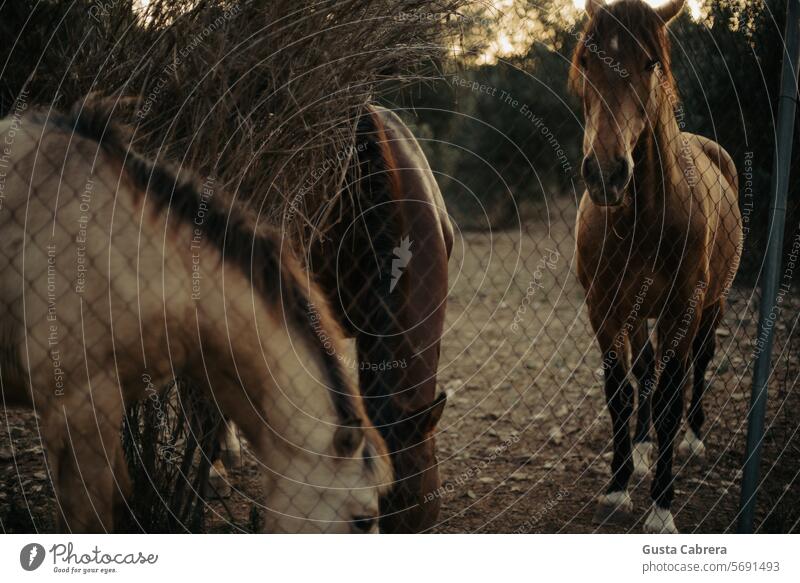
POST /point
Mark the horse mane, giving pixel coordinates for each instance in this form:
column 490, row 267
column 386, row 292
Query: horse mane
column 274, row 275
column 380, row 185
column 637, row 27
column 379, row 154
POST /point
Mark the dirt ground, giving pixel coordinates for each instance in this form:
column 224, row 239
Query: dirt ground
column 524, row 445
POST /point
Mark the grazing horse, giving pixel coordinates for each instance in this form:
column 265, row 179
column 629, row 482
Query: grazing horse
column 658, row 236
column 116, row 269
column 384, row 266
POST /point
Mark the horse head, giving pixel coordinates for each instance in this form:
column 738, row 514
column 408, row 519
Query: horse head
column 412, row 505
column 619, row 64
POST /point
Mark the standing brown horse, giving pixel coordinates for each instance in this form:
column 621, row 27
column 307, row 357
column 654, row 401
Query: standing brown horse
column 658, row 236
column 385, row 268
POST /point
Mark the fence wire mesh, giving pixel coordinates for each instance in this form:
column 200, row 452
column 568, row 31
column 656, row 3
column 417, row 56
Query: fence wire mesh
column 530, row 449
column 525, row 441
column 118, row 275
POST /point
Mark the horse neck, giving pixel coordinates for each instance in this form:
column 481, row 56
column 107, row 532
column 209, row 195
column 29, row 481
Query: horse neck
column 657, row 159
column 281, row 372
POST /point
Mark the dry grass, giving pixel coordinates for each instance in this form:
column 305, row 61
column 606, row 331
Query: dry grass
column 262, row 95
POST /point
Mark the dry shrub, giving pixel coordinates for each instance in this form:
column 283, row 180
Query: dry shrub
column 170, row 439
column 261, row 95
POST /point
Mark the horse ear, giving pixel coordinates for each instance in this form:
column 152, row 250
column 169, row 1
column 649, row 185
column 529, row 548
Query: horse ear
column 348, row 438
column 592, row 6
column 670, row 10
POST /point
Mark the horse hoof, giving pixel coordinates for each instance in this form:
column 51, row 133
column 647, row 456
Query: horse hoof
column 218, row 484
column 642, row 459
column 231, row 458
column 660, row 521
column 613, row 507
column 231, row 447
column 692, row 447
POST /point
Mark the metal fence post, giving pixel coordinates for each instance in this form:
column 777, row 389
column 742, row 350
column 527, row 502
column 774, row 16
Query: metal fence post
column 769, row 308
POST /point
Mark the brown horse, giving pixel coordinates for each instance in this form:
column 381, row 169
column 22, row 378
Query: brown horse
column 116, row 269
column 385, row 268
column 658, row 236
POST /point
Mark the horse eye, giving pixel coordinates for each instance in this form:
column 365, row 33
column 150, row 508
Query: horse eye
column 652, row 64
column 582, row 61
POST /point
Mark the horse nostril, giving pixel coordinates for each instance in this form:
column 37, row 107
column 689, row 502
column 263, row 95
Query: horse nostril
column 590, row 170
column 364, row 523
column 619, row 177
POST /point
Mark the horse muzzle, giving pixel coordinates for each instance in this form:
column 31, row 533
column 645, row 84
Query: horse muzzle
column 606, row 183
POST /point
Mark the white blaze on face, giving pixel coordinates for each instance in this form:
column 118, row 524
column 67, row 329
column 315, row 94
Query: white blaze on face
column 614, row 43
column 316, row 494
column 308, row 487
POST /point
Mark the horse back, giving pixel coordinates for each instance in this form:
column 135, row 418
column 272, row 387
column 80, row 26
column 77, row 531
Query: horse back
column 76, row 248
column 394, row 238
column 716, row 191
column 384, row 267
column 418, row 183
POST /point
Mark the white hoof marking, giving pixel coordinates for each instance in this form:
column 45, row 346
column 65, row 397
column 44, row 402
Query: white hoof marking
column 660, row 521
column 642, row 459
column 231, row 447
column 613, row 508
column 692, row 446
column 618, row 501
column 218, row 484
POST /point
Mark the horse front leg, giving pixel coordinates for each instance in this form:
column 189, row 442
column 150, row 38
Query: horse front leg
column 82, row 439
column 703, row 349
column 616, row 502
column 644, row 369
column 674, row 343
column 228, row 459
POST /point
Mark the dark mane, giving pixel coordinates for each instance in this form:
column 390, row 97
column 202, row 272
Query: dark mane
column 380, row 186
column 637, row 27
column 270, row 269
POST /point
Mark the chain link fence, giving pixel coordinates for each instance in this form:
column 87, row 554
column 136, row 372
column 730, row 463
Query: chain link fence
column 528, row 447
column 119, row 274
column 525, row 441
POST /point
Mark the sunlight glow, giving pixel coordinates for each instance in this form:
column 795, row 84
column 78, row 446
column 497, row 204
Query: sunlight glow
column 694, row 6
column 515, row 29
column 695, row 10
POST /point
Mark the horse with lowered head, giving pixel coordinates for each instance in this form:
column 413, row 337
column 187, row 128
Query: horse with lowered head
column 384, row 268
column 101, row 248
column 658, row 236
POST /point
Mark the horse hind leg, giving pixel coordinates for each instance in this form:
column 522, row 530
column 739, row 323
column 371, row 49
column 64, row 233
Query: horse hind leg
column 219, row 482
column 644, row 369
column 703, row 348
column 230, row 457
